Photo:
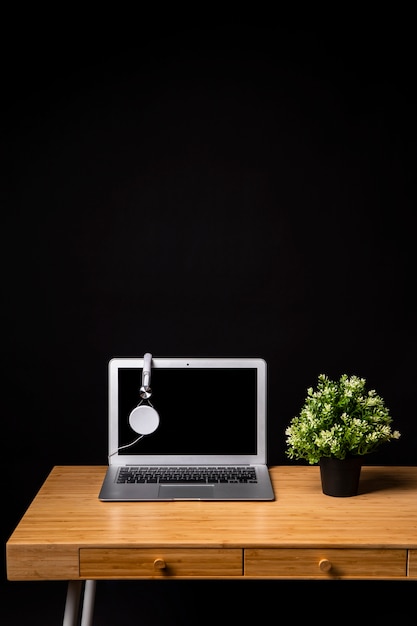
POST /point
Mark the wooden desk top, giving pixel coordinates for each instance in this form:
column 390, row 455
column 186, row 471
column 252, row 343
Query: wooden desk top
column 66, row 516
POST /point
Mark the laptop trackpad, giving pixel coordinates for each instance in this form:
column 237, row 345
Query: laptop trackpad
column 185, row 492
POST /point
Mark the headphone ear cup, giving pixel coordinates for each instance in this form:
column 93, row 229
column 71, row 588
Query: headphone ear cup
column 144, row 420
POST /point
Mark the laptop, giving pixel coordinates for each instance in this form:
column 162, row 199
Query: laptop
column 187, row 429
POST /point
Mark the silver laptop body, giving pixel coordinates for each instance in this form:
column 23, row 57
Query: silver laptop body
column 201, row 416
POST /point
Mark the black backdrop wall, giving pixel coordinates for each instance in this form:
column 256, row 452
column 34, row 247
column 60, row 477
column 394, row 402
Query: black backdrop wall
column 203, row 191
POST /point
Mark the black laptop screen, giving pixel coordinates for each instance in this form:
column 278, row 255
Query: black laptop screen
column 201, row 411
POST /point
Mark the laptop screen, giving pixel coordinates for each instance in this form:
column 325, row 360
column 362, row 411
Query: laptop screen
column 211, row 410
column 202, row 411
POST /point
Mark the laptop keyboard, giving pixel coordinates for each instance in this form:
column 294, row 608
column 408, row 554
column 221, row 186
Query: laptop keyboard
column 186, row 475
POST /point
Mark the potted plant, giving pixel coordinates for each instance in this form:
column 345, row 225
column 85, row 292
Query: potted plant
column 339, row 423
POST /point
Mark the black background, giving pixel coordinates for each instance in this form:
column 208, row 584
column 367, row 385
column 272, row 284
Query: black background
column 198, row 190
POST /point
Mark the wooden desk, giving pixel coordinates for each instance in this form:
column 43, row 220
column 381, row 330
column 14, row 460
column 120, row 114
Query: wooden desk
column 67, row 533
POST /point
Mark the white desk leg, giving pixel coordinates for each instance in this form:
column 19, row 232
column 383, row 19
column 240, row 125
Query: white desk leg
column 88, row 603
column 72, row 603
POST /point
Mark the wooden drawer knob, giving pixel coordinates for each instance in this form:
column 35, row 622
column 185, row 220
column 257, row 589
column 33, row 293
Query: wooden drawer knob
column 159, row 564
column 325, row 565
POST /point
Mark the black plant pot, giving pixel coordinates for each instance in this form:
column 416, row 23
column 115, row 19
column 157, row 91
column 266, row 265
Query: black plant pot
column 340, row 477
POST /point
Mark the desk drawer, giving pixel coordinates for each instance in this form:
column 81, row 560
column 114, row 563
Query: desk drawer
column 412, row 563
column 321, row 563
column 152, row 563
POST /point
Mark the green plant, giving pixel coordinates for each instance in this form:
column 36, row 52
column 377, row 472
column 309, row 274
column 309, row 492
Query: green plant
column 339, row 419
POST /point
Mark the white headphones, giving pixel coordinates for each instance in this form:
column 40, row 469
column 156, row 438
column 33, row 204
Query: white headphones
column 144, row 419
